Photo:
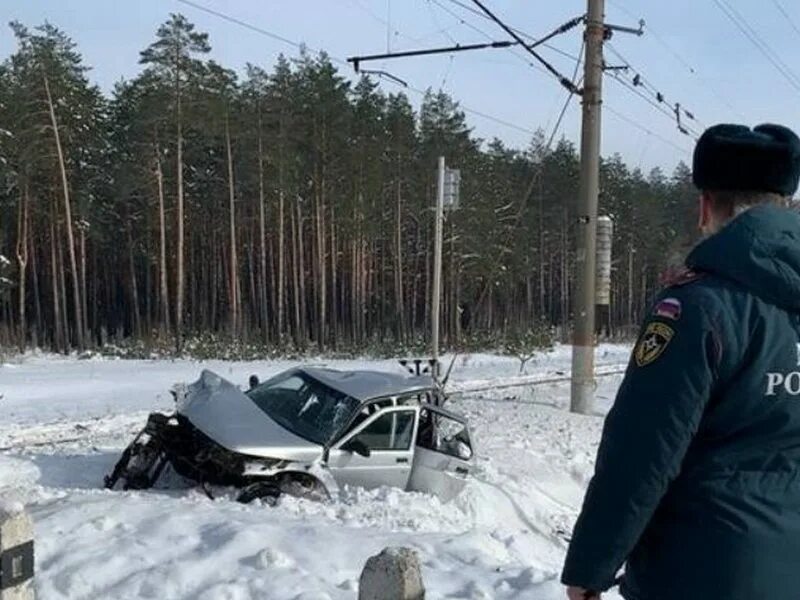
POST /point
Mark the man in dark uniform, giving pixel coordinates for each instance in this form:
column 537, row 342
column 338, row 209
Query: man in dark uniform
column 697, row 481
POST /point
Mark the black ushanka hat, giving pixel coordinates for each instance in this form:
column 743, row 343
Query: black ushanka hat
column 737, row 158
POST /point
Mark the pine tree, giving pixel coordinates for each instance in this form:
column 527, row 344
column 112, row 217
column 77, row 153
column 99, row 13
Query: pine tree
column 172, row 56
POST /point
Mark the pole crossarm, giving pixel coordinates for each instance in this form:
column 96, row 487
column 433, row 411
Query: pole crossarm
column 517, row 41
column 357, row 60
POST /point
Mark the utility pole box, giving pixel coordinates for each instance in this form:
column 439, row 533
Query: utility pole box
column 605, row 233
column 452, row 188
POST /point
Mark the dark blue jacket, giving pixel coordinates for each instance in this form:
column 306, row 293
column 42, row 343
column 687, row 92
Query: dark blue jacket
column 697, row 481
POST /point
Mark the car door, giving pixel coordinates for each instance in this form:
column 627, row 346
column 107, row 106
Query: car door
column 389, row 435
column 444, row 455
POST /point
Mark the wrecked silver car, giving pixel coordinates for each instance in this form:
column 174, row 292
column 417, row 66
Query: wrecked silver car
column 305, row 432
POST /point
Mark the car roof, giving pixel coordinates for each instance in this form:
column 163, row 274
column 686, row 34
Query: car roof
column 366, row 385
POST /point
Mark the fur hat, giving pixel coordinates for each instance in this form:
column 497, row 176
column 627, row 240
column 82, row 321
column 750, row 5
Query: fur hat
column 737, row 158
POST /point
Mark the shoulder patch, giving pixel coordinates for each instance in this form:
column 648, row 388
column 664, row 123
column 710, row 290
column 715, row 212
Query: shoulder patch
column 653, row 342
column 668, row 308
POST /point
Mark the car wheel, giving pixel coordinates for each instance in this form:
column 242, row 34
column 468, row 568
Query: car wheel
column 267, row 491
column 303, row 486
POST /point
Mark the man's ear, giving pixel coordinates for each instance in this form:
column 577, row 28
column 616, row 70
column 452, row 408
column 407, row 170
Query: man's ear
column 704, row 212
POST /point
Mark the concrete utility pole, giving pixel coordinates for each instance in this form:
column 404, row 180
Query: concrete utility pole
column 582, row 392
column 437, row 268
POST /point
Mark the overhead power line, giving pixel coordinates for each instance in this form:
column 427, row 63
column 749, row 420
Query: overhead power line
column 483, row 33
column 570, row 94
column 663, row 109
column 638, row 125
column 786, row 16
column 245, row 24
column 472, row 27
column 640, row 86
column 763, row 47
column 668, row 47
column 420, row 92
column 708, row 85
column 340, row 61
column 529, row 48
column 483, row 15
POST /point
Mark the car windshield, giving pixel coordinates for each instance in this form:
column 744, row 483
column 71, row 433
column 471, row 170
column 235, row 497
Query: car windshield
column 305, row 406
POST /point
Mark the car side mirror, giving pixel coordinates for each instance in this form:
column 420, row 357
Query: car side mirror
column 253, row 381
column 357, row 446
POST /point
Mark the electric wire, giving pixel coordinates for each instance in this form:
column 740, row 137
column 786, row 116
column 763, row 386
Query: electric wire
column 530, row 37
column 484, row 34
column 472, row 111
column 638, row 125
column 786, row 16
column 657, row 98
column 301, row 46
column 765, row 49
column 683, row 61
column 682, row 127
column 650, row 101
column 578, row 59
column 558, row 75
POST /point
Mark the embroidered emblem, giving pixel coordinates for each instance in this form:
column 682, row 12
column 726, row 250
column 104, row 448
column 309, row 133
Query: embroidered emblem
column 653, row 342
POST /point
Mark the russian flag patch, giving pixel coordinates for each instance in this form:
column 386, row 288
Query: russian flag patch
column 668, row 308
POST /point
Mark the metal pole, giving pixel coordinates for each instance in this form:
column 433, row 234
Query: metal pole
column 437, row 268
column 582, row 391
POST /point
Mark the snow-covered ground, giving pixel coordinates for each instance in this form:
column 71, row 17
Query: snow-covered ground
column 63, row 423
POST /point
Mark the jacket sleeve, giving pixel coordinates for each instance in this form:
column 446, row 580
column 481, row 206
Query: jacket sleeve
column 646, row 435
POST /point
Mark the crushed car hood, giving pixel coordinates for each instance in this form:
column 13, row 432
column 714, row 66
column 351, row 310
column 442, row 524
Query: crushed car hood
column 225, row 414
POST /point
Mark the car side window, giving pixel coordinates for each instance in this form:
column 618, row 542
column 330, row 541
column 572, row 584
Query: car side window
column 392, row 431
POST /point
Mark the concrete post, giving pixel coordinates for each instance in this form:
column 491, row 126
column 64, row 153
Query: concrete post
column 582, row 392
column 16, row 554
column 394, row 574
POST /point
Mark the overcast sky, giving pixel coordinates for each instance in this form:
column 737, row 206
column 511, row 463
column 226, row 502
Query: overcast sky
column 691, row 52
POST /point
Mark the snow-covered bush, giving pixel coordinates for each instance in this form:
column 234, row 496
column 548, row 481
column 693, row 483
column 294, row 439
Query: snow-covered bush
column 526, row 343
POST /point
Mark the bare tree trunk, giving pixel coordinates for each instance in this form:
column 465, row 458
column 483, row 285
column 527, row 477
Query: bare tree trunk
column 398, row 265
column 234, row 267
column 295, row 274
column 136, row 322
column 58, row 329
column 354, row 285
column 76, row 299
column 321, row 283
column 22, row 261
column 302, row 271
column 179, row 286
column 63, row 295
column 281, row 262
column 630, row 283
column 262, row 233
column 36, row 296
column 84, row 303
column 163, row 288
column 334, row 321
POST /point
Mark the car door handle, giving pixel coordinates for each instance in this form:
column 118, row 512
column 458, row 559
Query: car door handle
column 462, row 471
column 402, row 461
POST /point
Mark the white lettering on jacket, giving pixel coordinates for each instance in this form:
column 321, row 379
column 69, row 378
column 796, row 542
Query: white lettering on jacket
column 790, row 382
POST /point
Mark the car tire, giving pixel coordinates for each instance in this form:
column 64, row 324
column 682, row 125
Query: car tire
column 267, row 491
